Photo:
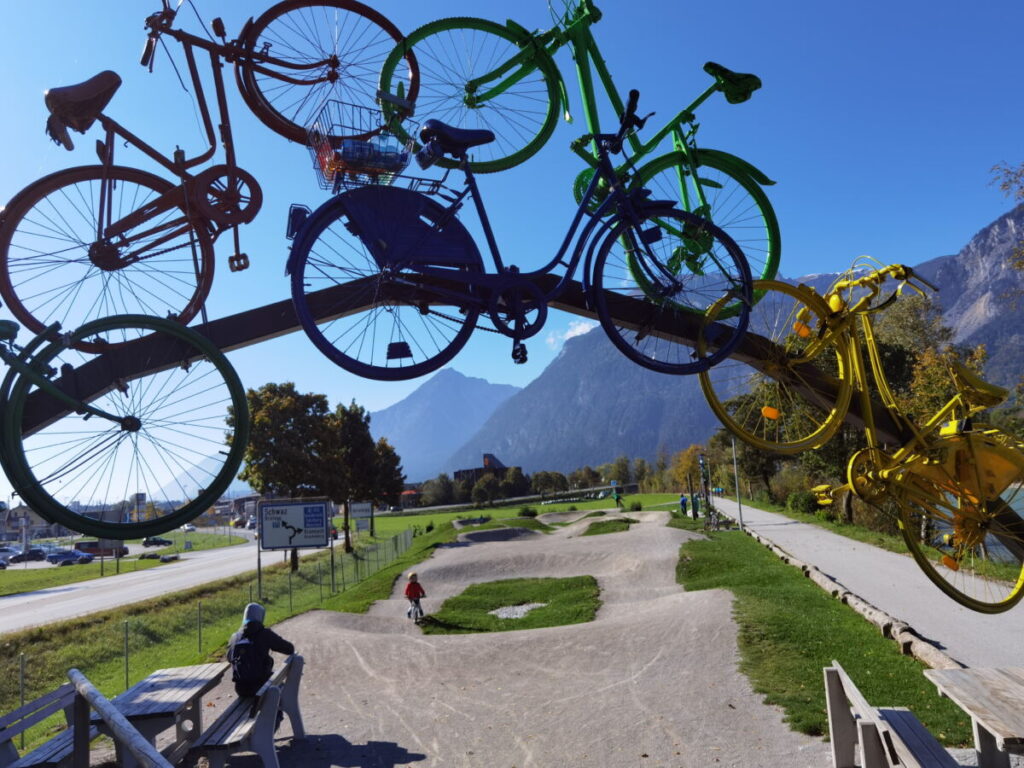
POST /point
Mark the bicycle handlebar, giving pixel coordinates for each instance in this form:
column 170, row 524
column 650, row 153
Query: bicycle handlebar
column 873, row 282
column 613, row 142
column 156, row 23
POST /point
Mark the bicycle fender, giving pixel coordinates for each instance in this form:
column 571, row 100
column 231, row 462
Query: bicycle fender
column 595, row 239
column 738, row 163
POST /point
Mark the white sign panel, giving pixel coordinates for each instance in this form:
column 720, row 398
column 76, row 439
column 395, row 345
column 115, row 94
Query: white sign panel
column 287, row 524
column 357, row 509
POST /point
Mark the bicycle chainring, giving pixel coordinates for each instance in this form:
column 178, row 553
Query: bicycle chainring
column 863, row 474
column 226, row 196
column 519, row 310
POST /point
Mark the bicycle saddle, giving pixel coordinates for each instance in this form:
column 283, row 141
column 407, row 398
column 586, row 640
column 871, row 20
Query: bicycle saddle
column 77, row 106
column 736, row 86
column 454, row 141
column 980, row 392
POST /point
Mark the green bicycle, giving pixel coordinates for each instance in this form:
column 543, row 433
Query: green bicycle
column 131, row 442
column 475, row 73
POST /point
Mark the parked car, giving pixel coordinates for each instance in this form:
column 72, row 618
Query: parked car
column 7, row 551
column 69, row 557
column 251, row 525
column 3, row 563
column 188, row 528
column 32, row 553
column 156, row 541
column 95, row 549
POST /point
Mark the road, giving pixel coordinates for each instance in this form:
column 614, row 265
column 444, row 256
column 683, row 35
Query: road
column 895, row 584
column 32, row 609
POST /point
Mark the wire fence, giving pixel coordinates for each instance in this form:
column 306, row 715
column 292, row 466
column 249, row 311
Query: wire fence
column 118, row 648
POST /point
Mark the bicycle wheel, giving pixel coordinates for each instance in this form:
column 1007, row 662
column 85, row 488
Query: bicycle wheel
column 54, row 268
column 167, row 457
column 656, row 321
column 361, row 299
column 959, row 515
column 326, row 49
column 785, row 389
column 451, row 53
column 735, row 203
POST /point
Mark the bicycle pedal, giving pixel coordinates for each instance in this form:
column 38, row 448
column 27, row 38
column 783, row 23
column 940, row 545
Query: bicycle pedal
column 238, row 262
column 519, row 353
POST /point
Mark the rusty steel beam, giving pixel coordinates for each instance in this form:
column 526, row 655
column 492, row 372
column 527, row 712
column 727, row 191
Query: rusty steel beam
column 253, row 326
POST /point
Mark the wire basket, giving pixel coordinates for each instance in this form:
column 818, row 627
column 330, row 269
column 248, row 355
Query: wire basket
column 353, row 146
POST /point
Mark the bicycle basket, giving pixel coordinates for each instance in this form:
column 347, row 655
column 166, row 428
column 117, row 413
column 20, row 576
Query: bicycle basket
column 352, row 146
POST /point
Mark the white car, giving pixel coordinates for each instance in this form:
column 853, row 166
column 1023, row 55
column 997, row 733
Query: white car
column 188, row 528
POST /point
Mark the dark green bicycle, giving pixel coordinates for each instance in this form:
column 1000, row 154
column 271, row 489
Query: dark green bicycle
column 475, row 73
column 133, row 441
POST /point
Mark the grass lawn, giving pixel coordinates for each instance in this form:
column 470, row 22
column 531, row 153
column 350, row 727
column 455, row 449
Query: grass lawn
column 512, row 522
column 15, row 580
column 789, row 629
column 389, row 525
column 608, row 526
column 561, row 601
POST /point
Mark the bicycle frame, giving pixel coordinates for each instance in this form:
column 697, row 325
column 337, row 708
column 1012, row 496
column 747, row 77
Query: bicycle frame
column 574, row 30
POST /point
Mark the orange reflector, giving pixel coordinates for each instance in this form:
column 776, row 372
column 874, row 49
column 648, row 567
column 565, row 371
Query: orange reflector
column 802, row 330
column 771, row 413
column 950, row 563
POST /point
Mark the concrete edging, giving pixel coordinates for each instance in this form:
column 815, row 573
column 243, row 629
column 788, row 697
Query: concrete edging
column 909, row 641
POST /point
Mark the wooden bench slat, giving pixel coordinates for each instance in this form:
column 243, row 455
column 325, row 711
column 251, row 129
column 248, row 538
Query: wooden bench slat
column 63, row 694
column 923, row 746
column 53, row 752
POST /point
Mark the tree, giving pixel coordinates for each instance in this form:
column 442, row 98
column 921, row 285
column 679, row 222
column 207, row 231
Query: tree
column 514, row 483
column 485, row 490
column 390, row 479
column 584, row 477
column 620, row 471
column 640, row 471
column 685, row 469
column 438, row 491
column 549, row 482
column 352, row 456
column 464, row 491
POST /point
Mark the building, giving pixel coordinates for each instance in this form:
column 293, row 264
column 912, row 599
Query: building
column 491, row 466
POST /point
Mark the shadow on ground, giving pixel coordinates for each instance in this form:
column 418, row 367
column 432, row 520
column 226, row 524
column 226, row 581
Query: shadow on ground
column 333, row 751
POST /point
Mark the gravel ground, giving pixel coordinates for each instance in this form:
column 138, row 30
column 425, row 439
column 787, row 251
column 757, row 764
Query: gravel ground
column 652, row 682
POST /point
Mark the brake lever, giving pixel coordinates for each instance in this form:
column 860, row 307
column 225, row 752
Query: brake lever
column 639, row 122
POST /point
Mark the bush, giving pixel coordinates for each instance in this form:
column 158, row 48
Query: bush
column 429, row 527
column 527, row 512
column 789, row 479
column 636, row 506
column 572, row 508
column 803, row 502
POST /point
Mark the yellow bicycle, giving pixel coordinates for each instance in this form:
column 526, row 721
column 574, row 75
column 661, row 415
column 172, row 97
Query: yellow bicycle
column 954, row 483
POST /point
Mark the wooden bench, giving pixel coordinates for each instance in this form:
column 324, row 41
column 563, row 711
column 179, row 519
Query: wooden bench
column 248, row 724
column 57, row 751
column 884, row 737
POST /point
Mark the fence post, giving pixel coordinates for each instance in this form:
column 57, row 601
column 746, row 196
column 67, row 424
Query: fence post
column 199, row 622
column 289, row 592
column 343, row 585
column 320, row 581
column 126, row 654
column 21, row 685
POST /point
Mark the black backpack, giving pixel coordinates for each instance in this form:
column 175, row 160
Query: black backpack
column 248, row 666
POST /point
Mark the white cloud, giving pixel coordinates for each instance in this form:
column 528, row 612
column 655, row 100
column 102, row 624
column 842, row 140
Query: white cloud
column 576, row 328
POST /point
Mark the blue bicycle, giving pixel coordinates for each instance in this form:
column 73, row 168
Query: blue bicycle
column 389, row 284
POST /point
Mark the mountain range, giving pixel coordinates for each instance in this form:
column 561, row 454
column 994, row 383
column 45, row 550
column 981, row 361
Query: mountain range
column 591, row 404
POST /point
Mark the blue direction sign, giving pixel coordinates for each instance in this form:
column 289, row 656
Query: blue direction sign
column 294, row 523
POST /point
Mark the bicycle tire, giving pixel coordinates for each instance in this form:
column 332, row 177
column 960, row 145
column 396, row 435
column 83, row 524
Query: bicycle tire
column 310, row 31
column 632, row 313
column 48, row 234
column 767, row 397
column 367, row 325
column 449, row 52
column 179, row 453
column 950, row 524
column 738, row 204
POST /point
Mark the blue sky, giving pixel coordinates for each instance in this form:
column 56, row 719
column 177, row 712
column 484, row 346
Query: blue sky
column 879, row 121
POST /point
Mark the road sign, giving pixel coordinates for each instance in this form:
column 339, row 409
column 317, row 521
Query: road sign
column 294, row 523
column 357, row 509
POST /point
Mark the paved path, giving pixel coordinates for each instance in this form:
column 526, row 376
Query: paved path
column 895, row 584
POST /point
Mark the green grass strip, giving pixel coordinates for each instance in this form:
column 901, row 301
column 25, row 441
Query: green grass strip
column 565, row 601
column 790, row 629
column 615, row 525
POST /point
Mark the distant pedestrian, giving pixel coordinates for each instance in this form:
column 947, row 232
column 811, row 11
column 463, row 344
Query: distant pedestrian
column 414, row 592
column 617, row 496
column 696, row 505
column 682, row 504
